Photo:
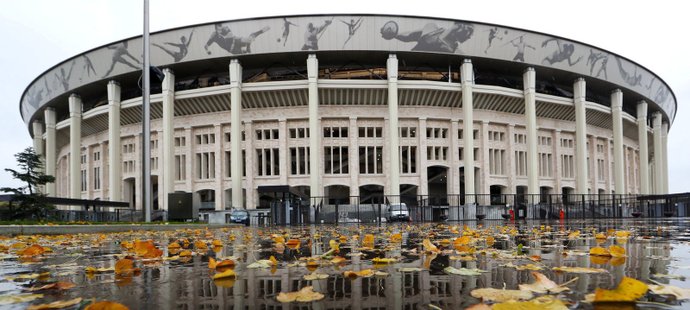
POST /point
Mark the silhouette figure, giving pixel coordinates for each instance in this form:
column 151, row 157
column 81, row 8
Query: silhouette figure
column 592, row 62
column 520, row 45
column 223, row 36
column 632, row 79
column 493, row 34
column 565, row 52
column 352, row 27
column 286, row 30
column 64, row 78
column 431, row 37
column 88, row 66
column 119, row 53
column 313, row 34
column 182, row 47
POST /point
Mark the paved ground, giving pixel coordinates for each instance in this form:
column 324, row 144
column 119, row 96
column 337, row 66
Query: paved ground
column 86, row 229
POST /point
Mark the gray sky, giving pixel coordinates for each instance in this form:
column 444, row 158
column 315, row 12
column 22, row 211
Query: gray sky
column 37, row 34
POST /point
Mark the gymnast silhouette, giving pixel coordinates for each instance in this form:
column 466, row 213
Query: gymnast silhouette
column 632, row 79
column 182, row 47
column 352, row 27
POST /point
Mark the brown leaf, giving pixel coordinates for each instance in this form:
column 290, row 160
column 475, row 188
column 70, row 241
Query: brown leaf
column 306, row 294
column 56, row 304
column 106, row 305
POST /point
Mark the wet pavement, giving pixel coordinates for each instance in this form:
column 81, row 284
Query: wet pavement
column 657, row 251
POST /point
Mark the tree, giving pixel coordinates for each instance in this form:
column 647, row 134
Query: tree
column 31, row 201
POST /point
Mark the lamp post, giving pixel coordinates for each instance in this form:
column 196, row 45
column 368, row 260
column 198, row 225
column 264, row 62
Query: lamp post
column 146, row 122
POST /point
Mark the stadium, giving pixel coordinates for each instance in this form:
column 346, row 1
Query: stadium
column 355, row 110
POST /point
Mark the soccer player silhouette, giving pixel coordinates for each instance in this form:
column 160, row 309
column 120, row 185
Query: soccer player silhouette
column 286, row 30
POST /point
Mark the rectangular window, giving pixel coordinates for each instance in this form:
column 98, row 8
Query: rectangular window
column 299, row 160
column 97, row 178
column 408, row 159
column 205, row 165
column 84, row 181
column 180, row 167
column 336, row 160
column 370, row 159
column 496, row 161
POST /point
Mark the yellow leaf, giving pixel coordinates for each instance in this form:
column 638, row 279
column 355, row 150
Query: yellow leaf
column 200, row 245
column 498, row 295
column 225, row 274
column 355, row 274
column 628, row 290
column 338, row 260
column 396, row 238
column 539, row 303
column 383, row 261
column 599, row 251
column 278, row 239
column 56, row 304
column 312, row 265
column 306, row 294
column 617, row 261
column 217, row 243
column 617, row 251
column 429, row 247
column 315, row 276
column 600, row 260
column 600, row 236
column 174, row 245
column 574, row 234
column 579, row 269
column 186, row 253
column 106, row 305
column 490, row 241
column 368, row 241
column 13, row 299
column 125, row 266
column 273, row 260
column 56, row 285
column 225, row 265
column 92, row 270
column 31, row 251
column 293, row 244
column 211, row 263
column 335, row 246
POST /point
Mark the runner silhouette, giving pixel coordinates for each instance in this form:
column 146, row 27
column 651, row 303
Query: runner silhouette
column 119, row 51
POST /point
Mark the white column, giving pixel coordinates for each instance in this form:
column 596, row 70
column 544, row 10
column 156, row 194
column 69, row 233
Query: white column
column 658, row 153
column 283, row 151
column 75, row 146
column 557, row 168
column 249, row 165
column 618, row 159
column 510, row 159
column 168, row 165
column 236, row 134
column 354, row 157
column 422, row 158
column 38, row 146
column 51, row 157
column 485, row 187
column 453, row 179
column 218, row 168
column 664, row 157
column 38, row 138
column 467, row 77
column 314, row 130
column 644, row 148
column 579, row 89
column 529, row 81
column 393, row 139
column 114, row 143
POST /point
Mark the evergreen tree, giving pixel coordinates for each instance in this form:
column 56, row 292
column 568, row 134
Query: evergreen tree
column 30, row 200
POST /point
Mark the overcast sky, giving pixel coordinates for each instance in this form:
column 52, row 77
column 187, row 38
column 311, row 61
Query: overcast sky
column 37, row 34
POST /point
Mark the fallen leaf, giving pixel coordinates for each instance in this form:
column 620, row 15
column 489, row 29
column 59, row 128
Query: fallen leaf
column 679, row 293
column 617, row 251
column 212, row 263
column 18, row 298
column 410, row 269
column 383, row 261
column 306, row 294
column 599, row 251
column 361, row 274
column 429, row 247
column 368, row 241
column 263, row 263
column 335, row 246
column 396, row 238
column 225, row 274
column 57, row 286
column 523, row 267
column 225, row 265
column 31, row 251
column 338, row 260
column 217, row 243
column 542, row 285
column 56, row 304
column 315, row 276
column 463, row 271
column 498, row 295
column 125, row 267
column 579, row 269
column 106, row 305
column 628, row 290
column 293, row 244
column 92, row 270
column 539, row 303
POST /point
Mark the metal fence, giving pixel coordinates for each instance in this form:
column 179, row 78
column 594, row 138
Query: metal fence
column 430, row 208
column 119, row 215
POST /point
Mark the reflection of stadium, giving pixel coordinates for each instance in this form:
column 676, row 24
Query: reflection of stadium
column 392, row 106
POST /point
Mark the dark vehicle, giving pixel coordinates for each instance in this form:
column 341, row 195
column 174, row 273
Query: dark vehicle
column 240, row 216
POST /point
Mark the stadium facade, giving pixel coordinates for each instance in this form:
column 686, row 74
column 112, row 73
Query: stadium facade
column 352, row 106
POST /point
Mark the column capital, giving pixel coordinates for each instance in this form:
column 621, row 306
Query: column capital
column 579, row 89
column 529, row 79
column 312, row 67
column 466, row 72
column 49, row 117
column 392, row 67
column 235, row 73
column 75, row 104
column 616, row 99
column 37, row 127
column 113, row 82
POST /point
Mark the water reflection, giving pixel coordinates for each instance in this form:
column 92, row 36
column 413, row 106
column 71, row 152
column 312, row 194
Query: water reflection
column 417, row 280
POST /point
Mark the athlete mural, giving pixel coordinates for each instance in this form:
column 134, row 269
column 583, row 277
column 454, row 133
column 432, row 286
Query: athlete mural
column 431, row 37
column 352, row 32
